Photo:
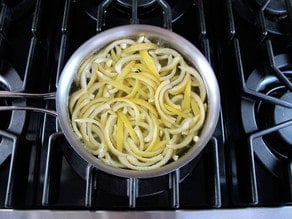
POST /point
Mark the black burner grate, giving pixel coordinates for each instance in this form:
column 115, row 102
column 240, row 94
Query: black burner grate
column 41, row 171
column 262, row 69
column 128, row 193
column 268, row 16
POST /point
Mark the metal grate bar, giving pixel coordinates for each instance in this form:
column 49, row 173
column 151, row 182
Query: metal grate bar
column 10, row 184
column 167, row 15
column 216, row 166
column 203, row 29
column 230, row 21
column 274, row 69
column 134, row 19
column 252, row 93
column 290, row 179
column 29, row 63
column 64, row 39
column 174, row 186
column 253, row 179
column 166, row 10
column 289, row 11
column 132, row 190
column 252, row 138
column 252, row 186
column 101, row 10
column 270, row 130
column 90, row 185
column 49, row 176
column 265, row 98
column 3, row 17
column 7, row 144
column 205, row 44
column 61, row 58
column 66, row 14
column 261, row 21
column 36, row 18
column 269, row 160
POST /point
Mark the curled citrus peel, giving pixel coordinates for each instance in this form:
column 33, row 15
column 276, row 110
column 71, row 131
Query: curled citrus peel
column 137, row 105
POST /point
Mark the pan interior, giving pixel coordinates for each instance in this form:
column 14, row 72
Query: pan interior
column 161, row 37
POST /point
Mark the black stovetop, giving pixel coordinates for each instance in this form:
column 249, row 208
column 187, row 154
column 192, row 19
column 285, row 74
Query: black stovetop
column 246, row 163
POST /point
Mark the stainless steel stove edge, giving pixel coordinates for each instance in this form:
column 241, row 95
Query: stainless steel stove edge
column 240, row 213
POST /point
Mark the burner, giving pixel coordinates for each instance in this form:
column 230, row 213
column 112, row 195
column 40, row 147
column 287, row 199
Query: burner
column 151, row 186
column 20, row 8
column 270, row 115
column 283, row 114
column 11, row 3
column 275, row 14
column 10, row 121
column 275, row 7
column 148, row 11
column 118, row 185
column 5, row 116
column 140, row 3
column 258, row 115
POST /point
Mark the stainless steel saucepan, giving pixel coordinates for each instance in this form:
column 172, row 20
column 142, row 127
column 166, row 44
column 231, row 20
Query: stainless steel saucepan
column 166, row 37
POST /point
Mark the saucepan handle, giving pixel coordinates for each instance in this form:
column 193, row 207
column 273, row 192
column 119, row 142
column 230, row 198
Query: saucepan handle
column 43, row 96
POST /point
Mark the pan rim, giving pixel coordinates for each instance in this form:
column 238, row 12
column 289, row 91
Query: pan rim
column 186, row 48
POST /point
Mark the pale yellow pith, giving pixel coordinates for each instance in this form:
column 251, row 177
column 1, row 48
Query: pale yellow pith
column 137, row 105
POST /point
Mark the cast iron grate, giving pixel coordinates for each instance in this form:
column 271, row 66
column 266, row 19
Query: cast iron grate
column 262, row 71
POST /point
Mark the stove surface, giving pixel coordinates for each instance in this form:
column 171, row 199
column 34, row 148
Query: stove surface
column 246, row 164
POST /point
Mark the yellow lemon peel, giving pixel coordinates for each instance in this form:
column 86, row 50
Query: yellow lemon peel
column 137, row 105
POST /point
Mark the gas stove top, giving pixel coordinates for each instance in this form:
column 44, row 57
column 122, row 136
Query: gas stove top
column 248, row 161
